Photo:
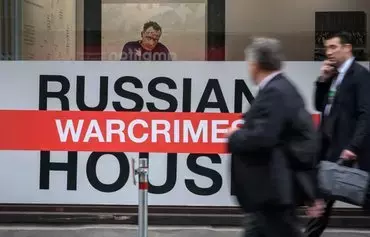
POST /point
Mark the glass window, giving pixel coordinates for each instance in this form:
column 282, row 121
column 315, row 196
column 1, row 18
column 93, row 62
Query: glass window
column 190, row 29
column 99, row 29
column 160, row 30
column 176, row 30
column 49, row 30
column 298, row 24
column 41, row 29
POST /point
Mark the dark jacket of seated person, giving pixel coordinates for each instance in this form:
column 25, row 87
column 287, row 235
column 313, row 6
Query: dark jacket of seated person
column 134, row 51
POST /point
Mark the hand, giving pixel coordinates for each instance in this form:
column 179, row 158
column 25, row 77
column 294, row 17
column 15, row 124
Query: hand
column 327, row 70
column 317, row 209
column 348, row 155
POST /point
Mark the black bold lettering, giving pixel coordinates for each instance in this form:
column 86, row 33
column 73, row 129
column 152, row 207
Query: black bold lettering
column 212, row 85
column 44, row 94
column 103, row 95
column 170, row 175
column 124, row 172
column 139, row 102
column 46, row 166
column 152, row 88
column 186, row 95
column 241, row 89
column 212, row 174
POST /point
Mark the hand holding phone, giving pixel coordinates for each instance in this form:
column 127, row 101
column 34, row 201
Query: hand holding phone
column 328, row 69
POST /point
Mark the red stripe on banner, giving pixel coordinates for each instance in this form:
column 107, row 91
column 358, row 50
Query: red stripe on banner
column 116, row 131
column 143, row 186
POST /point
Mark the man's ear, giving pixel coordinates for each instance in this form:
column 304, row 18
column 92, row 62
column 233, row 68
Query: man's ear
column 350, row 48
column 142, row 33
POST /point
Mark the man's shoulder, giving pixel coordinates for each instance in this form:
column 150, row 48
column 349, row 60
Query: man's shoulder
column 281, row 82
column 161, row 46
column 358, row 67
column 285, row 88
column 277, row 86
column 132, row 44
column 360, row 72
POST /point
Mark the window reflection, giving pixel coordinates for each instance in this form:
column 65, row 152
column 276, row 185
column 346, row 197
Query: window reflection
column 53, row 29
column 49, row 30
column 294, row 26
column 183, row 30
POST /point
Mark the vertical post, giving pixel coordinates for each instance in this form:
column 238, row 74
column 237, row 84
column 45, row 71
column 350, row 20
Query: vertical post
column 6, row 19
column 142, row 172
column 17, row 22
column 143, row 197
column 92, row 29
column 2, row 30
column 216, row 30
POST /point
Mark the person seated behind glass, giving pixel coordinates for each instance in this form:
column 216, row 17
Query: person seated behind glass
column 148, row 48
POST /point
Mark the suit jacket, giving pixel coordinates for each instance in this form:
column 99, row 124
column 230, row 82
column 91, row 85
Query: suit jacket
column 348, row 126
column 260, row 170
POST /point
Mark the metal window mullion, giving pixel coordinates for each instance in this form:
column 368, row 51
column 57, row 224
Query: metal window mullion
column 6, row 29
column 17, row 29
column 1, row 29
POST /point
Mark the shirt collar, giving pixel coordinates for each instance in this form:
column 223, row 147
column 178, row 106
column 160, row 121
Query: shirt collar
column 344, row 67
column 267, row 79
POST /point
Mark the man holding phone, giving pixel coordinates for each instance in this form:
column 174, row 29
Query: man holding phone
column 343, row 97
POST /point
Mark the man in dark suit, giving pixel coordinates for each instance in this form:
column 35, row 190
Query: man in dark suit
column 260, row 168
column 343, row 97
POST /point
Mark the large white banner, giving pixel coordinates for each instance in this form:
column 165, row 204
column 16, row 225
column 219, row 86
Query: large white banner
column 63, row 143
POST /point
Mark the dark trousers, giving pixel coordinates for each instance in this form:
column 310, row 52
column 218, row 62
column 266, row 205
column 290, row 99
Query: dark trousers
column 272, row 223
column 316, row 226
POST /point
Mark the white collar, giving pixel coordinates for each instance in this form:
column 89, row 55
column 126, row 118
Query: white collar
column 267, row 79
column 344, row 67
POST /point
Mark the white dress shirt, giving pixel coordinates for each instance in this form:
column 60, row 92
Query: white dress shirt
column 342, row 70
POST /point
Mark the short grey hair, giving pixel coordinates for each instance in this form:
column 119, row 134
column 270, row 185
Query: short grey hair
column 266, row 52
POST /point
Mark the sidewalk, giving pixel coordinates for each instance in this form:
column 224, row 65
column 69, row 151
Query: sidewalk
column 130, row 231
